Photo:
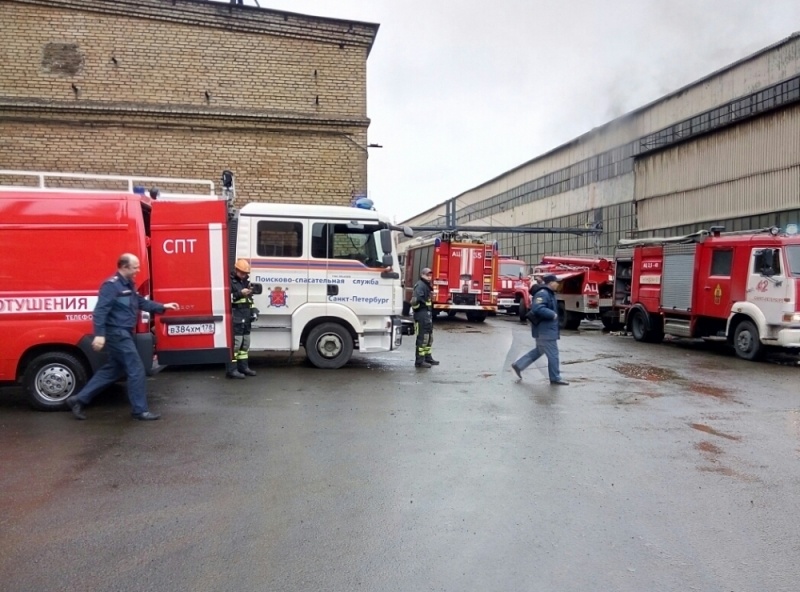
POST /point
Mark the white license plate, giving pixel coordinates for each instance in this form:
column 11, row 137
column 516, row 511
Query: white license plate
column 191, row 329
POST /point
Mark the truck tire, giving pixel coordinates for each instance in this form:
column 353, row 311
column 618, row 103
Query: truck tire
column 746, row 341
column 329, row 346
column 52, row 377
column 611, row 323
column 638, row 326
column 476, row 317
column 572, row 320
column 642, row 330
column 523, row 311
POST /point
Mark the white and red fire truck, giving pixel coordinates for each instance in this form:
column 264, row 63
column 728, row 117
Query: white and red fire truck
column 742, row 288
column 464, row 274
column 513, row 287
column 586, row 289
column 330, row 275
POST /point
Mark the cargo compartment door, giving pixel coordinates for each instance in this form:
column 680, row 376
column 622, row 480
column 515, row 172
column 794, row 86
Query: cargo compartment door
column 189, row 259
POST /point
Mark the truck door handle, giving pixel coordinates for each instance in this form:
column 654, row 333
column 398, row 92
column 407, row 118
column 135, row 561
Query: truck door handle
column 707, row 288
column 333, row 289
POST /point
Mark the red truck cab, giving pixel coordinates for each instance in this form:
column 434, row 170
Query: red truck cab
column 513, row 286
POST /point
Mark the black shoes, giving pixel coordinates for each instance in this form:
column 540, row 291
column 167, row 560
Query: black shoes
column 244, row 369
column 76, row 407
column 517, row 371
column 431, row 361
column 421, row 363
column 146, row 416
column 561, row 382
column 231, row 371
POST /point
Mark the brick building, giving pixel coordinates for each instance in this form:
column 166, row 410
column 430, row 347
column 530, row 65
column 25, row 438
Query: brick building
column 187, row 88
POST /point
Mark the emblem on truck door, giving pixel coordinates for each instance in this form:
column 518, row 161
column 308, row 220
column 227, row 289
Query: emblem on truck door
column 277, row 297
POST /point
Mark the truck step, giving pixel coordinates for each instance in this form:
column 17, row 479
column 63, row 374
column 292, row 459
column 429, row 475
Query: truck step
column 678, row 327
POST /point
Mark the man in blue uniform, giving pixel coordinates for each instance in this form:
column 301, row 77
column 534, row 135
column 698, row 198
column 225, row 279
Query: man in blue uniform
column 544, row 329
column 115, row 317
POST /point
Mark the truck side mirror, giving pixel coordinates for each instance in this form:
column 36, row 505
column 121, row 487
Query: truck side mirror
column 407, row 232
column 767, row 267
column 386, row 240
column 388, row 261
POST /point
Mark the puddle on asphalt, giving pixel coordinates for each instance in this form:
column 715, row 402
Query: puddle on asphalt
column 709, row 430
column 643, row 372
column 706, row 446
column 711, row 391
column 594, row 359
column 728, row 472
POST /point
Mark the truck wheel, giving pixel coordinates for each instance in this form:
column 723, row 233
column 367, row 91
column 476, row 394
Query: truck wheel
column 611, row 322
column 523, row 311
column 572, row 320
column 746, row 341
column 638, row 326
column 52, row 377
column 476, row 317
column 329, row 346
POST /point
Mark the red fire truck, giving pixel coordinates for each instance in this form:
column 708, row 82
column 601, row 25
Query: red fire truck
column 586, row 289
column 741, row 288
column 464, row 274
column 330, row 275
column 513, row 287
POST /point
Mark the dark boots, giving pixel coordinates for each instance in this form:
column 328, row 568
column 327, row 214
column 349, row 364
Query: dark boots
column 431, row 361
column 244, row 368
column 420, row 362
column 231, row 371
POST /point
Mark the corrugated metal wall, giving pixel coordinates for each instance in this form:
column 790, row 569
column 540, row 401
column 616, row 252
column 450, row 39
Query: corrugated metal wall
column 747, row 169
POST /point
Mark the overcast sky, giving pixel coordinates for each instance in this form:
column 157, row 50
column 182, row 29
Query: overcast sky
column 460, row 91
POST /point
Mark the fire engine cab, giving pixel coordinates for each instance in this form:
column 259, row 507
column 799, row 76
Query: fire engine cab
column 328, row 276
column 585, row 291
column 464, row 274
column 513, row 287
column 738, row 287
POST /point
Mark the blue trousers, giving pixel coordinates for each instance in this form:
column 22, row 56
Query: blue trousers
column 123, row 360
column 544, row 347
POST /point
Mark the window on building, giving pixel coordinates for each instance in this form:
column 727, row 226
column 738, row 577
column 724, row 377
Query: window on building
column 279, row 238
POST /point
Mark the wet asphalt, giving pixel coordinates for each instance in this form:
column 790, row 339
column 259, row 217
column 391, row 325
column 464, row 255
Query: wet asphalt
column 670, row 467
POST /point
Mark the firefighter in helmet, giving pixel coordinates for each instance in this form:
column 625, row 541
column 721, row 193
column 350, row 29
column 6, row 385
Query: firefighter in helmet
column 423, row 319
column 242, row 314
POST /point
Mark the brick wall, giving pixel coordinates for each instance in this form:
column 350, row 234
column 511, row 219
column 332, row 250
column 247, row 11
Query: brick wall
column 187, row 88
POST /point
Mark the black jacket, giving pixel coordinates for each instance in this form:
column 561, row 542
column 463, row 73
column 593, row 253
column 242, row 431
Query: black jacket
column 421, row 299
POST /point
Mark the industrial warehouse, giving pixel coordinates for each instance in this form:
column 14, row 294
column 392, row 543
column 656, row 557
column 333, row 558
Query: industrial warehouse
column 724, row 150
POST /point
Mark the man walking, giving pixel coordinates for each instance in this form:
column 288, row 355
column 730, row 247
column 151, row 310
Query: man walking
column 114, row 318
column 423, row 319
column 544, row 329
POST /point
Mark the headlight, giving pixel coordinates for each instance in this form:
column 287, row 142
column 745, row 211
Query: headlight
column 791, row 317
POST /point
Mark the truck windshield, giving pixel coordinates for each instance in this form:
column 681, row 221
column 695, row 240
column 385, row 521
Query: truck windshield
column 512, row 269
column 793, row 260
